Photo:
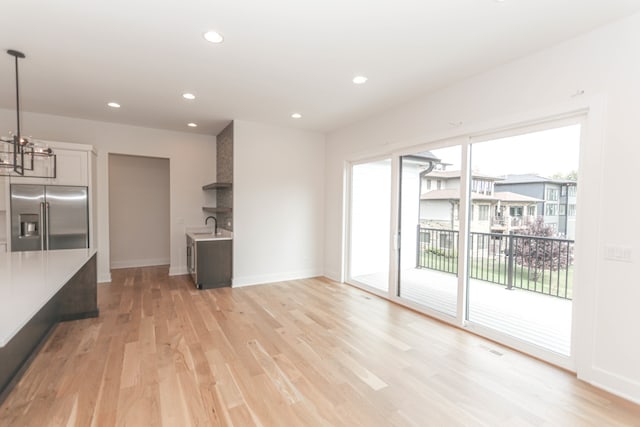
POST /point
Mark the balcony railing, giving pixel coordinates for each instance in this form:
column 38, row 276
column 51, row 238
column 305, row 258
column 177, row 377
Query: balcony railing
column 537, row 264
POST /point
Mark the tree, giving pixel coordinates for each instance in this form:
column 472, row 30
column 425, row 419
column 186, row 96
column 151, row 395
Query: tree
column 571, row 176
column 544, row 253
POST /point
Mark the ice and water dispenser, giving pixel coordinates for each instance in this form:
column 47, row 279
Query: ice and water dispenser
column 29, row 225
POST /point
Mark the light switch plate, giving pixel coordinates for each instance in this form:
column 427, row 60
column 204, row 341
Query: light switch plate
column 618, row 253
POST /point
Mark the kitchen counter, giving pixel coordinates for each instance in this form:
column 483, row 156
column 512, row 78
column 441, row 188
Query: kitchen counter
column 204, row 235
column 28, row 280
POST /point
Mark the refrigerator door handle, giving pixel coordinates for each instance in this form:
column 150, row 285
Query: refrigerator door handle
column 42, row 213
column 46, row 204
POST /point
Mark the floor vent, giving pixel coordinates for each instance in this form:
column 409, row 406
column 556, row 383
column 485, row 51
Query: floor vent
column 491, row 350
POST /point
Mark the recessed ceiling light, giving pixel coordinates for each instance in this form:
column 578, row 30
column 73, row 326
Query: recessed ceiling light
column 296, row 116
column 113, row 105
column 359, row 80
column 213, row 37
column 188, row 96
column 192, row 125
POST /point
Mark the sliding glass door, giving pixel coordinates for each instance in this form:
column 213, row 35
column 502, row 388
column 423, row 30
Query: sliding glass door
column 522, row 235
column 429, row 228
column 479, row 233
column 370, row 222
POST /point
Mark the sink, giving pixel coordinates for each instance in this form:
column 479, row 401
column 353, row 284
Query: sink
column 208, row 235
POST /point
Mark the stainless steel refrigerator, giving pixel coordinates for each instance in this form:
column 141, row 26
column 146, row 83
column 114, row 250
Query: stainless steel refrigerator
column 49, row 217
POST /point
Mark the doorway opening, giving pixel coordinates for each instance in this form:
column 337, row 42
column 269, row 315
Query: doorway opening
column 139, row 211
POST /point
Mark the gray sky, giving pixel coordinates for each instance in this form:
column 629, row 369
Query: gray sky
column 544, row 153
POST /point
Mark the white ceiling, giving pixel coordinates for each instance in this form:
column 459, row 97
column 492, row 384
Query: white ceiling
column 279, row 56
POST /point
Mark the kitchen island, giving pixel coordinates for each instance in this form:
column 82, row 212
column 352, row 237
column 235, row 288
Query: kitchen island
column 37, row 290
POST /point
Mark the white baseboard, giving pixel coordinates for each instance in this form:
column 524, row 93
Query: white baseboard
column 614, row 383
column 178, row 271
column 104, row 277
column 139, row 263
column 333, row 275
column 238, row 282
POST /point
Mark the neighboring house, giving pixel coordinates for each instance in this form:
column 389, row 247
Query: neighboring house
column 557, row 203
column 491, row 211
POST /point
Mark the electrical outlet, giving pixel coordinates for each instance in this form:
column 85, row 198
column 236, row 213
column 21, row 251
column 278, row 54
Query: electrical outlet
column 618, row 253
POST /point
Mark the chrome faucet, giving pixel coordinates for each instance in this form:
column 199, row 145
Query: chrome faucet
column 215, row 227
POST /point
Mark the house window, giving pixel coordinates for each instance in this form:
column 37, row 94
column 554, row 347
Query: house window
column 481, row 186
column 439, row 184
column 551, row 209
column 563, row 190
column 515, row 211
column 563, row 210
column 571, row 211
column 552, row 194
column 428, row 184
column 572, row 190
column 531, row 210
column 483, row 213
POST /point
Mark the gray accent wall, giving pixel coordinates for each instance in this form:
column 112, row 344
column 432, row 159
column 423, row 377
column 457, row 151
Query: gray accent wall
column 224, row 173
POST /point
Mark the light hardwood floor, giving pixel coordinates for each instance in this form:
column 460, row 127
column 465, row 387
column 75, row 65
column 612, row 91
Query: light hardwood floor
column 305, row 352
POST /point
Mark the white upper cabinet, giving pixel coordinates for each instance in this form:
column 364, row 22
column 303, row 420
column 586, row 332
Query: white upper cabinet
column 71, row 166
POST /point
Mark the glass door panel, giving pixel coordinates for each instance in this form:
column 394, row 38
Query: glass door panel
column 429, row 228
column 370, row 224
column 521, row 235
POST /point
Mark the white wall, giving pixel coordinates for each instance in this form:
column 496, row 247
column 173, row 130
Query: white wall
column 139, row 206
column 605, row 64
column 278, row 197
column 437, row 210
column 192, row 162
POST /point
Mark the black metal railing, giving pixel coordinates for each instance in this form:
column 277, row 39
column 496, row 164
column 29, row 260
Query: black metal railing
column 537, row 264
column 438, row 249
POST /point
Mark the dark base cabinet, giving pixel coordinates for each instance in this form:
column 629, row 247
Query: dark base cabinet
column 209, row 262
column 76, row 300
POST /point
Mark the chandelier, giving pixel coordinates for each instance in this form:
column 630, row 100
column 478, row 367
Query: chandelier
column 20, row 156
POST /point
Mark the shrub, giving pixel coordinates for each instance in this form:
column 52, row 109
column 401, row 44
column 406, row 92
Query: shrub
column 541, row 254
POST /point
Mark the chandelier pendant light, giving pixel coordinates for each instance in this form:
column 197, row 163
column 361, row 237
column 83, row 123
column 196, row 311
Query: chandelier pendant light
column 18, row 154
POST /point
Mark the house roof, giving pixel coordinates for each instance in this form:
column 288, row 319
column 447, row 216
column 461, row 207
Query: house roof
column 502, row 196
column 456, row 174
column 508, row 196
column 527, row 178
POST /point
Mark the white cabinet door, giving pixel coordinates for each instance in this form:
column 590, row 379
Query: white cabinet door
column 41, row 167
column 71, row 168
column 4, row 214
column 3, row 193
